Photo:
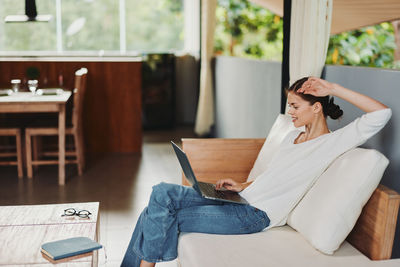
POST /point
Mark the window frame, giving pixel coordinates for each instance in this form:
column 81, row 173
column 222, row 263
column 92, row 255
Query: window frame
column 191, row 30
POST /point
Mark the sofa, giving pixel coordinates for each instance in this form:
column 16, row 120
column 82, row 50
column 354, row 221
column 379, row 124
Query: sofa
column 346, row 219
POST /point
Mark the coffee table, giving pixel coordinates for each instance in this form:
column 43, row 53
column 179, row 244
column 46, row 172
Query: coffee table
column 23, row 229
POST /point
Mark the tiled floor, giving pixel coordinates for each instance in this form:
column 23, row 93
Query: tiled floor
column 120, row 182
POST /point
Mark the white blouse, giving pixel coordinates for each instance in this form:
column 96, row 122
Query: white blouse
column 295, row 167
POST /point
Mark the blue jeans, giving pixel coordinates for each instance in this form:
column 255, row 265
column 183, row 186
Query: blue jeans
column 173, row 209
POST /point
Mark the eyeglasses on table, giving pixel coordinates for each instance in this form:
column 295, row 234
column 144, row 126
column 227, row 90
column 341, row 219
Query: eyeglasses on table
column 80, row 213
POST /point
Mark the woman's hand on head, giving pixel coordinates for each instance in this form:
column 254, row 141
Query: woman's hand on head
column 316, row 87
column 319, row 87
column 229, row 184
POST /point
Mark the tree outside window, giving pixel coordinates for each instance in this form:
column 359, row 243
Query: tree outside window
column 247, row 30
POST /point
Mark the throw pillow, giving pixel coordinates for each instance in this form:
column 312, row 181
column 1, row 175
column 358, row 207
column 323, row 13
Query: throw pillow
column 330, row 209
column 281, row 127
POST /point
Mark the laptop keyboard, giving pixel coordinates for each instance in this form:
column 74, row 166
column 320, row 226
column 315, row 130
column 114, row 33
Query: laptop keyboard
column 209, row 189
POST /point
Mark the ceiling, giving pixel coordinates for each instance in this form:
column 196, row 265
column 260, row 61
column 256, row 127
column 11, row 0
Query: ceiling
column 349, row 15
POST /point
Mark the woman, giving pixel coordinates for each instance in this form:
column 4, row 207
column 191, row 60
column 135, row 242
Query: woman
column 300, row 160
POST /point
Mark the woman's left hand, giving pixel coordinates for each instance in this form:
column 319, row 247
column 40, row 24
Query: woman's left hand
column 316, row 87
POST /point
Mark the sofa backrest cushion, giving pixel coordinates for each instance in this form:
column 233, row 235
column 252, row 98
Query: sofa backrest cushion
column 330, row 209
column 281, row 127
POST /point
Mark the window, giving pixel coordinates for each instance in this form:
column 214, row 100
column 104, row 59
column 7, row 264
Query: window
column 90, row 25
column 102, row 27
column 27, row 36
column 245, row 29
column 156, row 25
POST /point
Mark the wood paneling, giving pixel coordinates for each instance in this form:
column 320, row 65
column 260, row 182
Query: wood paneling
column 213, row 159
column 112, row 104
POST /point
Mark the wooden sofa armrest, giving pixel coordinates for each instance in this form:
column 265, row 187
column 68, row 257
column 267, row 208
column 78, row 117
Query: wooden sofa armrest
column 213, row 159
column 374, row 231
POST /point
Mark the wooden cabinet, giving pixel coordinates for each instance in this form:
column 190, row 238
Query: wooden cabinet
column 112, row 104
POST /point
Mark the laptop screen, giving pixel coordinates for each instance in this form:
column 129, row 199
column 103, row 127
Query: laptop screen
column 187, row 169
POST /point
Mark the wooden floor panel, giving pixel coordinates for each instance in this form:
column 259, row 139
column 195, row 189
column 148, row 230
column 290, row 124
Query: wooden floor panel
column 120, row 182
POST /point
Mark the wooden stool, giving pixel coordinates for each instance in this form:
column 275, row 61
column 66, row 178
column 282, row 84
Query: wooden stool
column 18, row 149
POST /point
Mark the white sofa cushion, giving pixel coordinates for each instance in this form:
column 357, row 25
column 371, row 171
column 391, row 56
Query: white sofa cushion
column 277, row 247
column 281, row 127
column 330, row 209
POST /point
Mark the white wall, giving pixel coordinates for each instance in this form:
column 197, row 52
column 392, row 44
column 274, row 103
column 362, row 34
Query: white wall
column 247, row 96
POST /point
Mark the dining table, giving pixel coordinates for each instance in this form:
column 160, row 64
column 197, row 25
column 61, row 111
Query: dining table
column 28, row 102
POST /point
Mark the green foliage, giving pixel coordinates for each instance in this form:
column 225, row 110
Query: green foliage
column 100, row 30
column 245, row 29
column 154, row 25
column 94, row 25
column 371, row 46
column 26, row 36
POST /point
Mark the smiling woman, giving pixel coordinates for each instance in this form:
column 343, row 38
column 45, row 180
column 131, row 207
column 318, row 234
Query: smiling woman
column 271, row 195
column 309, row 104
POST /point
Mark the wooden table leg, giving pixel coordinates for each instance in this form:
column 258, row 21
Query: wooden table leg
column 61, row 145
column 19, row 155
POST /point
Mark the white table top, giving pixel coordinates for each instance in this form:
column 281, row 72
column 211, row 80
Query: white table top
column 28, row 97
column 23, row 229
column 45, row 214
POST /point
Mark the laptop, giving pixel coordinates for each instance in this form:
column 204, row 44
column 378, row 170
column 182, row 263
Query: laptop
column 206, row 190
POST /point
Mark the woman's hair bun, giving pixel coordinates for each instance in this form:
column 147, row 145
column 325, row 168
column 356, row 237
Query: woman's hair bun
column 333, row 110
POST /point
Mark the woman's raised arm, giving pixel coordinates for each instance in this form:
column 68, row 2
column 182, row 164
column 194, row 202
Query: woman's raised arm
column 319, row 87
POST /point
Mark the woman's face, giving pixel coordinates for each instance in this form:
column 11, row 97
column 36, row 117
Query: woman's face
column 300, row 110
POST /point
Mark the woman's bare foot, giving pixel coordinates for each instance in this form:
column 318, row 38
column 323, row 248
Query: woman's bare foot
column 144, row 263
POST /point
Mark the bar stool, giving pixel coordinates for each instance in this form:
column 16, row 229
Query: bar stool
column 18, row 149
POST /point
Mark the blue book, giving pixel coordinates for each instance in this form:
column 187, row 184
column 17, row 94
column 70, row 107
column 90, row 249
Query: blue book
column 69, row 247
